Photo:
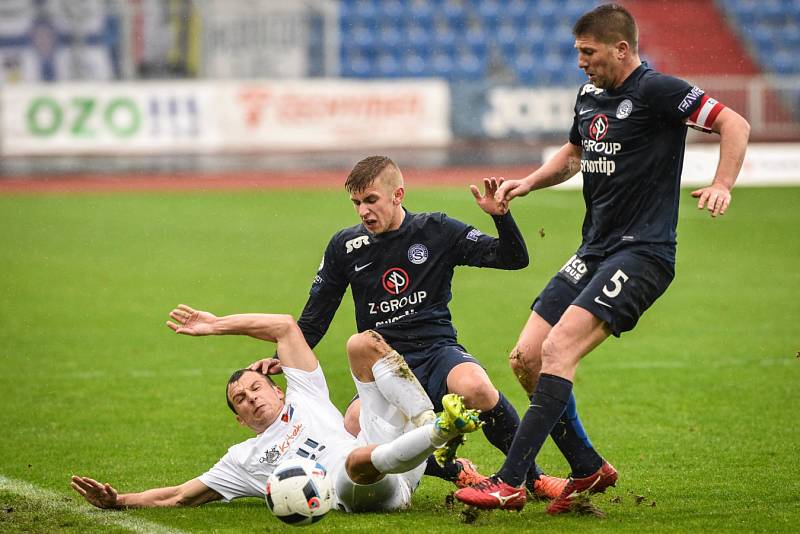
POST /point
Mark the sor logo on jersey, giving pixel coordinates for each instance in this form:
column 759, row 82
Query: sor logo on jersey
column 590, row 88
column 356, row 243
column 395, row 280
column 624, row 109
column 418, row 254
column 598, row 128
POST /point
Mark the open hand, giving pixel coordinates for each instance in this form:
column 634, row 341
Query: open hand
column 717, row 197
column 191, row 322
column 488, row 201
column 100, row 495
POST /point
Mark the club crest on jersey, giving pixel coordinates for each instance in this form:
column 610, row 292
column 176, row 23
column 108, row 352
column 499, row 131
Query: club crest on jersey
column 598, row 128
column 272, row 456
column 418, row 254
column 624, row 109
column 395, row 280
column 356, row 243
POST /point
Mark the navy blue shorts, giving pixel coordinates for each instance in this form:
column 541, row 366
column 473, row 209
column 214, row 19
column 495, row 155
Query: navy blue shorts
column 617, row 288
column 432, row 365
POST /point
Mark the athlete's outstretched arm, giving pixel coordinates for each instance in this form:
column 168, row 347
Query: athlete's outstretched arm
column 561, row 167
column 190, row 493
column 292, row 348
column 734, row 132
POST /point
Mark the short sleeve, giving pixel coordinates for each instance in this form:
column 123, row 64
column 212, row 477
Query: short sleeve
column 226, row 479
column 670, row 98
column 308, row 384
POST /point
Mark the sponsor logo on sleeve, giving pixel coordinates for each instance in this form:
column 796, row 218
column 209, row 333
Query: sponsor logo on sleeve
column 474, row 234
column 418, row 254
column 690, row 99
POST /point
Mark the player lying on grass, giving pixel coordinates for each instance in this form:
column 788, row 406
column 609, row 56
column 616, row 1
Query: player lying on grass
column 377, row 471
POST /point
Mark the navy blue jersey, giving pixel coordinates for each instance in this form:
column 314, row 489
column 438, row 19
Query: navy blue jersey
column 401, row 279
column 633, row 140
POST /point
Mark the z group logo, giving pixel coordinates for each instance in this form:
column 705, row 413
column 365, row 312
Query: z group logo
column 395, row 280
column 598, row 128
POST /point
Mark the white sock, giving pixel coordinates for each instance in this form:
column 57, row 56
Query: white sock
column 401, row 388
column 405, row 452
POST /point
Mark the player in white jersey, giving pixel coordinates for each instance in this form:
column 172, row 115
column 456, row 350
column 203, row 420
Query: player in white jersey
column 377, row 471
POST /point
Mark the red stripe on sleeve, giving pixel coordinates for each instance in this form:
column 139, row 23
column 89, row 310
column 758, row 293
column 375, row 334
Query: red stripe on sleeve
column 696, row 113
column 712, row 115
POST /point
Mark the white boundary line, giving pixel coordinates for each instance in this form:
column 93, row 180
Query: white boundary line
column 52, row 501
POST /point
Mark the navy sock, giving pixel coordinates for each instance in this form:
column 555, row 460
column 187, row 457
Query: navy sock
column 547, row 404
column 500, row 426
column 571, row 439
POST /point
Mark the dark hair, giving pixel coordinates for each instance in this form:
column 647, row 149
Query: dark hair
column 609, row 23
column 365, row 172
column 237, row 374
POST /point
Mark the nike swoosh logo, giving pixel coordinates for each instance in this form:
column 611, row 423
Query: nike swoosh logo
column 582, row 111
column 360, row 267
column 606, row 304
column 503, row 500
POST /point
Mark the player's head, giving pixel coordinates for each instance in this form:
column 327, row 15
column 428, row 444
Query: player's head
column 607, row 40
column 254, row 398
column 376, row 189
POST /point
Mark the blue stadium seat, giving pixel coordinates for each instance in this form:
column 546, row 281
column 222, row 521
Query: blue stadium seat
column 442, row 64
column 420, row 9
column 468, row 66
column 415, row 65
column 387, row 65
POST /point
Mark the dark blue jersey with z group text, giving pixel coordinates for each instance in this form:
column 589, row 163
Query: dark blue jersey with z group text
column 401, row 279
column 632, row 140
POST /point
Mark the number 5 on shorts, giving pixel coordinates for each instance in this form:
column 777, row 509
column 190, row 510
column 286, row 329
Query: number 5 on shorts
column 617, row 280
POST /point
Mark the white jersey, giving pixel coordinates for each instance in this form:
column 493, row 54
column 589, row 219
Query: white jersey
column 309, row 426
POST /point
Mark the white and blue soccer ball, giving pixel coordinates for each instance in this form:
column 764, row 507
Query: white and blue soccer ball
column 299, row 492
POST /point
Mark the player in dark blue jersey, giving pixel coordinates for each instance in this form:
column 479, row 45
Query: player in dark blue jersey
column 627, row 139
column 399, row 266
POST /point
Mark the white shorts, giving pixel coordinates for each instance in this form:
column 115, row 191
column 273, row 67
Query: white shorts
column 381, row 422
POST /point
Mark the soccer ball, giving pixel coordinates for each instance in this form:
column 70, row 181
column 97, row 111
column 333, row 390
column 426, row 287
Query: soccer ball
column 299, row 492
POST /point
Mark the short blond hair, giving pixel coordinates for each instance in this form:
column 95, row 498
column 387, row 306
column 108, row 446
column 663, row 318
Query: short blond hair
column 369, row 169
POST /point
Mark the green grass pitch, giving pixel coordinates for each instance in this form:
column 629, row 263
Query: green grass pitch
column 697, row 407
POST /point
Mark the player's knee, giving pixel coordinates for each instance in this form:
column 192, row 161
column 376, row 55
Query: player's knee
column 480, row 394
column 359, row 467
column 525, row 368
column 555, row 354
column 351, row 420
column 368, row 345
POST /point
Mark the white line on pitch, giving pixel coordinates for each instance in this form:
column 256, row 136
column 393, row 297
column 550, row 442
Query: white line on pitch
column 54, row 502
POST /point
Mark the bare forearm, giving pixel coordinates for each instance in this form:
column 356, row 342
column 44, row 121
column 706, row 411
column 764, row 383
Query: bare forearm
column 191, row 493
column 152, row 498
column 560, row 168
column 265, row 326
column 734, row 135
